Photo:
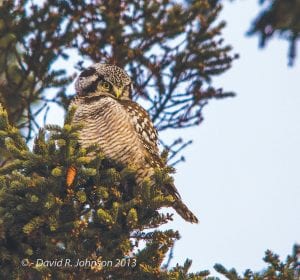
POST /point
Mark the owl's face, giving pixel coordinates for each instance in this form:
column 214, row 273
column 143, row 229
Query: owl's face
column 104, row 79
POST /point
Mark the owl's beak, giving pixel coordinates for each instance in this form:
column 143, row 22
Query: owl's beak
column 118, row 91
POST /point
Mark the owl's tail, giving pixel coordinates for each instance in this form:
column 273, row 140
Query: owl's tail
column 184, row 212
column 179, row 206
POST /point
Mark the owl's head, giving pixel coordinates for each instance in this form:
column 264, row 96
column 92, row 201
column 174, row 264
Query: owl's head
column 106, row 79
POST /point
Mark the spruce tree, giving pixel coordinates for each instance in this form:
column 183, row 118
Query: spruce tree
column 279, row 18
column 276, row 269
column 89, row 231
column 172, row 50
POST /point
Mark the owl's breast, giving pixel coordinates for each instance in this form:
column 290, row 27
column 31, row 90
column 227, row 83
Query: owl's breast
column 107, row 124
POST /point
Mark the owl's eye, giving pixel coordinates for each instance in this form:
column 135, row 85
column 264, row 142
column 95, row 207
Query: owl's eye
column 105, row 85
column 128, row 90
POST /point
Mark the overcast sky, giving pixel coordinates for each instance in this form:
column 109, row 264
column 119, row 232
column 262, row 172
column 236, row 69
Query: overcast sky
column 241, row 176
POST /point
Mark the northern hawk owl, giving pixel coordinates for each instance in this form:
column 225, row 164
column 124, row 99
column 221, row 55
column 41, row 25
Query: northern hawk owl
column 119, row 126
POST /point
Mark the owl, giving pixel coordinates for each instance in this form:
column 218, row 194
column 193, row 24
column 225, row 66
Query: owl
column 119, row 126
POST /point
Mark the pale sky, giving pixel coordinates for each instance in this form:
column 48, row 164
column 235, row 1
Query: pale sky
column 241, row 176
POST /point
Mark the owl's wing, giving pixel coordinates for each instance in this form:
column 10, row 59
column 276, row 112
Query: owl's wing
column 145, row 130
column 148, row 136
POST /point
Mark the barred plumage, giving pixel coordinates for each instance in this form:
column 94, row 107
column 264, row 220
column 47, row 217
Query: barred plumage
column 121, row 127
